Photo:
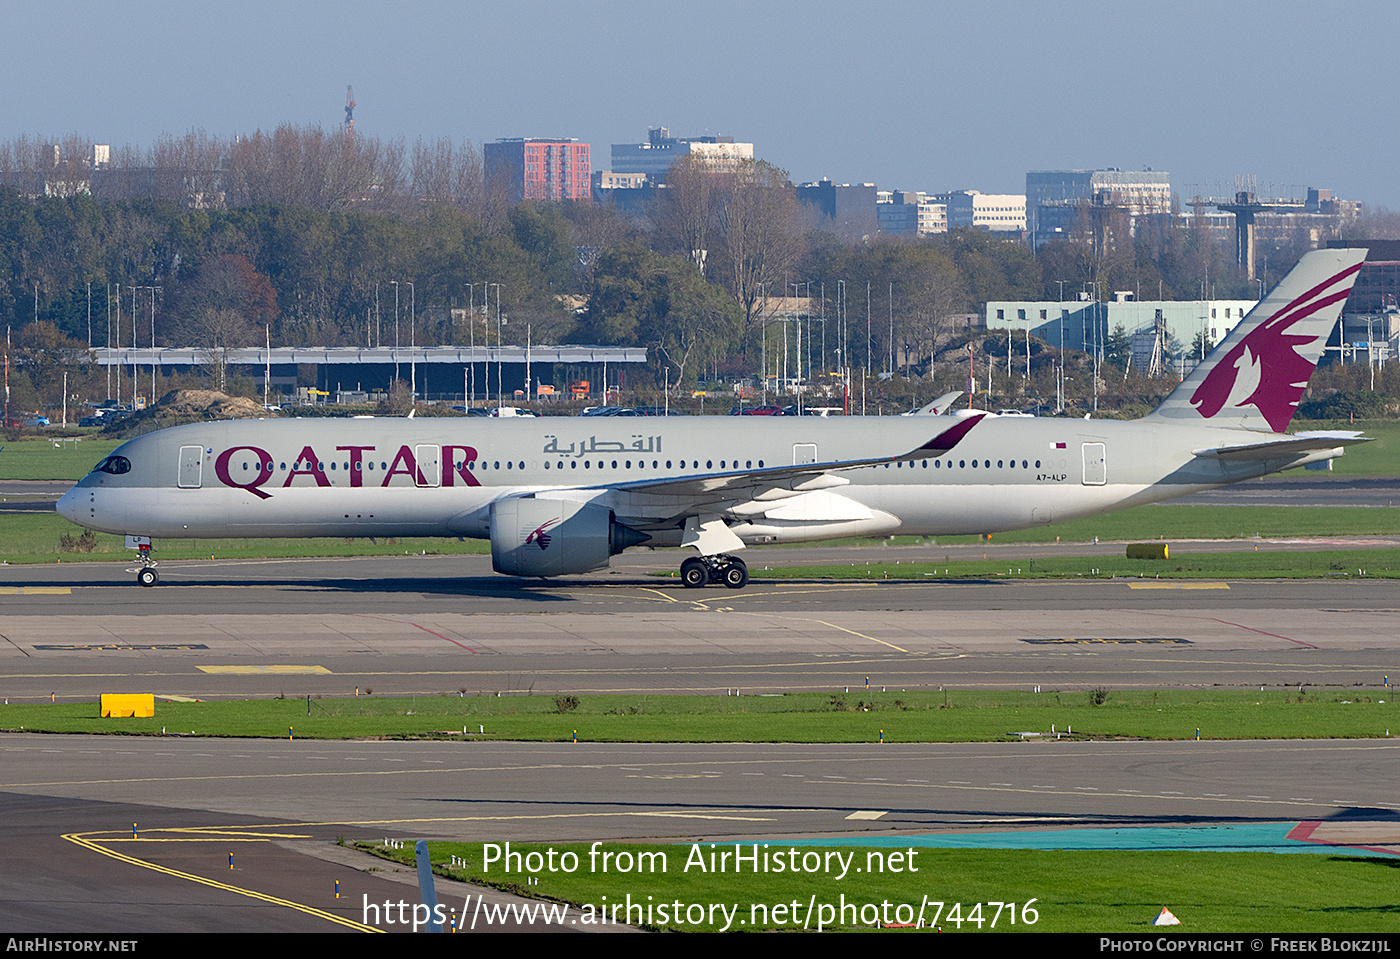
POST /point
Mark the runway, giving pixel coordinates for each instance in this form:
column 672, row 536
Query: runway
column 444, row 624
column 434, row 624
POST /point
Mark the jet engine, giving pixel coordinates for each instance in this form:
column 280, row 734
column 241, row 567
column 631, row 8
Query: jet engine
column 547, row 537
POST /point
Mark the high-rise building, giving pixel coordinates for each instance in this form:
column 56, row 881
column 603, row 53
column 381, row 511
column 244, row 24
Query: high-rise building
column 1053, row 197
column 654, row 158
column 906, row 213
column 846, row 209
column 998, row 212
column 540, row 169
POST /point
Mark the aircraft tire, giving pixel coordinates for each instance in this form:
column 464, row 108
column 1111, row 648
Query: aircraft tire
column 147, row 577
column 736, row 574
column 694, row 573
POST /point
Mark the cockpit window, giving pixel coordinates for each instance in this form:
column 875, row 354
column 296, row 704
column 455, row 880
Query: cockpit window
column 113, row 464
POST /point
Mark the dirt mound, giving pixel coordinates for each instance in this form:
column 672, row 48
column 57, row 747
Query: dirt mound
column 188, row 406
column 209, row 404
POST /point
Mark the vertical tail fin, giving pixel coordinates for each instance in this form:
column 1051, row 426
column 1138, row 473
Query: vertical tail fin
column 1255, row 378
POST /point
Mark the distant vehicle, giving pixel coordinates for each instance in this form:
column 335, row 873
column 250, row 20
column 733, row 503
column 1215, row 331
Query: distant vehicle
column 756, row 411
column 610, row 411
column 1013, row 413
column 37, row 421
column 511, row 411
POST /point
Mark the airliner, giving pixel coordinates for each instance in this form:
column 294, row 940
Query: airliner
column 560, row 496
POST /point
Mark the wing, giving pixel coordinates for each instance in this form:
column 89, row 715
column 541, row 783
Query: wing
column 802, row 477
column 703, row 504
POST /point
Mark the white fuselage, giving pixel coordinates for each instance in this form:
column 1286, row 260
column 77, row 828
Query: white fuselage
column 438, row 477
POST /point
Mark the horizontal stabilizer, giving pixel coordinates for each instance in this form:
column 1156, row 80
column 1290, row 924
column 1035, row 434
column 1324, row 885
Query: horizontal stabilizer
column 1294, row 445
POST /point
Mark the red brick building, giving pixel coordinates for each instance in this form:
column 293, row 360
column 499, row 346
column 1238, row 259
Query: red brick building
column 540, row 169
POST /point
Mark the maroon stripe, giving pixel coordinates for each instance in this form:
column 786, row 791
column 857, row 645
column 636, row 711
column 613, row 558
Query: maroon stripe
column 1301, row 302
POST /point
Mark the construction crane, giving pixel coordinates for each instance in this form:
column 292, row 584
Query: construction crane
column 349, row 113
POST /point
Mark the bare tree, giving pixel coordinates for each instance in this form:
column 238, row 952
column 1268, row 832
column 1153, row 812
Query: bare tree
column 214, row 333
column 684, row 214
column 759, row 229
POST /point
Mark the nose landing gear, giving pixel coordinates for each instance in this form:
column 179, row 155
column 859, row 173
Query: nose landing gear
column 146, row 574
column 698, row 571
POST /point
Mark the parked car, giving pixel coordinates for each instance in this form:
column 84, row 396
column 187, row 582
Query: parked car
column 37, row 421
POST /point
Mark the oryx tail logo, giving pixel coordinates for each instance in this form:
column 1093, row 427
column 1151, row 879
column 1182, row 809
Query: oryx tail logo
column 540, row 536
column 1265, row 369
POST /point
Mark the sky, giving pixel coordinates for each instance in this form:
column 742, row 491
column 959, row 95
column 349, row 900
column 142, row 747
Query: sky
column 927, row 96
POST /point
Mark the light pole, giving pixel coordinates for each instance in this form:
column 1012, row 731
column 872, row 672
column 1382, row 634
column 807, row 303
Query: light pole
column 153, row 290
column 396, row 328
column 412, row 341
column 500, row 360
column 471, row 335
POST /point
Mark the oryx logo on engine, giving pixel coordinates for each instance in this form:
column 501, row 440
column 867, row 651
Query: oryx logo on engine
column 540, row 536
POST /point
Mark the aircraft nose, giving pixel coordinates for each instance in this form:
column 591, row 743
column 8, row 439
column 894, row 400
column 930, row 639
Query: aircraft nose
column 67, row 505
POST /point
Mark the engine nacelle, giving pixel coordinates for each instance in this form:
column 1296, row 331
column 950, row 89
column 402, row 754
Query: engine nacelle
column 539, row 537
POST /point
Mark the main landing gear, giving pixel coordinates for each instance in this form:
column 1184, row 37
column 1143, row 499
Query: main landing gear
column 702, row 570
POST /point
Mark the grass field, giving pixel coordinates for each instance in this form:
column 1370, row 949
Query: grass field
column 1061, row 891
column 53, row 459
column 855, row 716
column 1374, row 563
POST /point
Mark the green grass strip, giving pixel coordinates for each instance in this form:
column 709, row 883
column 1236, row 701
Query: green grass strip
column 52, row 459
column 857, row 716
column 1293, row 564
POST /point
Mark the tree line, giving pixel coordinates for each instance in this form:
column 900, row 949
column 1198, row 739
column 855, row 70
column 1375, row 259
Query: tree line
column 309, row 237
